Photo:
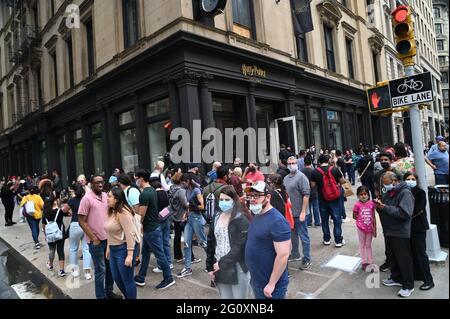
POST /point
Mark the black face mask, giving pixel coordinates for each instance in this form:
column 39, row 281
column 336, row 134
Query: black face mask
column 385, row 165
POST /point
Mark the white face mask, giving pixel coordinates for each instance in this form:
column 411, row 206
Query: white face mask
column 293, row 168
column 411, row 184
column 256, row 209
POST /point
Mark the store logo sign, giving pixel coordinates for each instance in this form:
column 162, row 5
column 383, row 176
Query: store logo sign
column 253, row 71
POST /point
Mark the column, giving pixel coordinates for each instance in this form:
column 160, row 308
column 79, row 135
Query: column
column 141, row 134
column 71, row 168
column 309, row 127
column 251, row 107
column 113, row 138
column 107, row 165
column 88, row 152
column 206, row 102
column 324, row 123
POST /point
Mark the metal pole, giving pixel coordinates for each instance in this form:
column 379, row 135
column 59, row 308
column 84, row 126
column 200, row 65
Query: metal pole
column 416, row 134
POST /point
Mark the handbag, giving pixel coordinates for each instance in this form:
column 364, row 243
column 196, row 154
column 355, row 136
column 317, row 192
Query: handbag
column 227, row 276
column 164, row 214
column 28, row 209
column 348, row 189
column 288, row 210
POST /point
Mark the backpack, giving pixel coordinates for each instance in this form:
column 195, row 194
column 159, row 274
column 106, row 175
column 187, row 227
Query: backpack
column 330, row 190
column 211, row 206
column 52, row 232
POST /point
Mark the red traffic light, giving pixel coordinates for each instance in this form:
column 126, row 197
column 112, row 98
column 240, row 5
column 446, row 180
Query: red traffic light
column 400, row 14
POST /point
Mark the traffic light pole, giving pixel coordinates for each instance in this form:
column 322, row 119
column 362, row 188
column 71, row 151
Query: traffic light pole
column 433, row 246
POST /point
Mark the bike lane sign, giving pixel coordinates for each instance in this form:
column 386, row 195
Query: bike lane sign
column 411, row 90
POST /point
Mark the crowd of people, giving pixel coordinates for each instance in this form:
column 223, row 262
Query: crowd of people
column 250, row 225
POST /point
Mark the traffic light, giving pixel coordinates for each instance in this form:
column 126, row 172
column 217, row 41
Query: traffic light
column 404, row 34
column 379, row 98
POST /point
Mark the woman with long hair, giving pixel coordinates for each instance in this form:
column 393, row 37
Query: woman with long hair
column 121, row 234
column 76, row 234
column 227, row 237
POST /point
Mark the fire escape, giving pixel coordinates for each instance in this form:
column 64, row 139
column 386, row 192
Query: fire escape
column 25, row 54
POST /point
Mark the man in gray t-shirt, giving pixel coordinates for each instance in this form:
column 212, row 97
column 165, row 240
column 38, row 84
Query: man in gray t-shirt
column 298, row 189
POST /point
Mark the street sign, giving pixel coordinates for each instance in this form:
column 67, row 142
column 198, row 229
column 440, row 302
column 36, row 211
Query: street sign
column 379, row 98
column 411, row 90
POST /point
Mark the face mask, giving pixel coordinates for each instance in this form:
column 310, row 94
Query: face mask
column 292, row 168
column 411, row 184
column 388, row 188
column 226, row 205
column 385, row 165
column 364, row 199
column 256, row 209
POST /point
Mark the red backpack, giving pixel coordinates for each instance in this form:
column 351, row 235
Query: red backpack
column 330, row 188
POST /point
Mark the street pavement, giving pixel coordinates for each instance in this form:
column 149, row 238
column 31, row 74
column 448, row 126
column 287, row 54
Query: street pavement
column 319, row 282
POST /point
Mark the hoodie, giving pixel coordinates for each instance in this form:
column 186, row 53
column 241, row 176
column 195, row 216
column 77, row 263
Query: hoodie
column 397, row 214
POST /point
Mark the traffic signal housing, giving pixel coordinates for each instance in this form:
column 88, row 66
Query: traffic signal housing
column 379, row 98
column 405, row 42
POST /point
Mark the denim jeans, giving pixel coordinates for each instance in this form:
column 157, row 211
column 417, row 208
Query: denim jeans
column 76, row 235
column 301, row 229
column 123, row 276
column 351, row 174
column 34, row 226
column 278, row 293
column 153, row 243
column 196, row 223
column 440, row 179
column 103, row 278
column 313, row 210
column 165, row 230
column 333, row 210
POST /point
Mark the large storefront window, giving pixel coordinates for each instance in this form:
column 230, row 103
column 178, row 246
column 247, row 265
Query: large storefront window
column 316, row 127
column 43, row 155
column 301, row 129
column 97, row 143
column 78, row 145
column 334, row 130
column 128, row 144
column 62, row 152
column 158, row 115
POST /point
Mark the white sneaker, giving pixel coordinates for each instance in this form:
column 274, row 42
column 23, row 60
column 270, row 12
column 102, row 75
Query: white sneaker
column 327, row 243
column 339, row 245
column 88, row 276
column 405, row 293
column 158, row 270
column 75, row 273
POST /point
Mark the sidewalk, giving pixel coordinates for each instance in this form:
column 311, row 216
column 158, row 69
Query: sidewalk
column 318, row 282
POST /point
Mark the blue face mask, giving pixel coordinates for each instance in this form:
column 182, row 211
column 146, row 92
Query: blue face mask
column 226, row 205
column 388, row 188
column 411, row 184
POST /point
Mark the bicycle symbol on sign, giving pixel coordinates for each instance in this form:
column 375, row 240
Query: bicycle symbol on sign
column 410, row 84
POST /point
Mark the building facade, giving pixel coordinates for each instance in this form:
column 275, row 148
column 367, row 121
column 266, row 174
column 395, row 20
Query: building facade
column 105, row 94
column 441, row 22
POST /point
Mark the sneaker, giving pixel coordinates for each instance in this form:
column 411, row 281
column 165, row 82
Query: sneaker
column 294, row 258
column 327, row 242
column 49, row 267
column 87, row 276
column 179, row 261
column 158, row 270
column 405, row 293
column 114, row 296
column 165, row 284
column 185, row 272
column 344, row 220
column 391, row 283
column 305, row 265
column 37, row 246
column 426, row 286
column 385, row 267
column 61, row 273
column 339, row 245
column 75, row 273
column 139, row 283
column 196, row 260
column 9, row 224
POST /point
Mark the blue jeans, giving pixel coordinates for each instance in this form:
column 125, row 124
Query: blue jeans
column 351, row 174
column 34, row 226
column 278, row 293
column 153, row 243
column 196, row 223
column 103, row 278
column 76, row 235
column 440, row 179
column 123, row 276
column 165, row 230
column 314, row 210
column 301, row 229
column 342, row 204
column 333, row 210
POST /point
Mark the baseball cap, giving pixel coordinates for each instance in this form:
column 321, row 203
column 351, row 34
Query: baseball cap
column 112, row 179
column 440, row 138
column 260, row 187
